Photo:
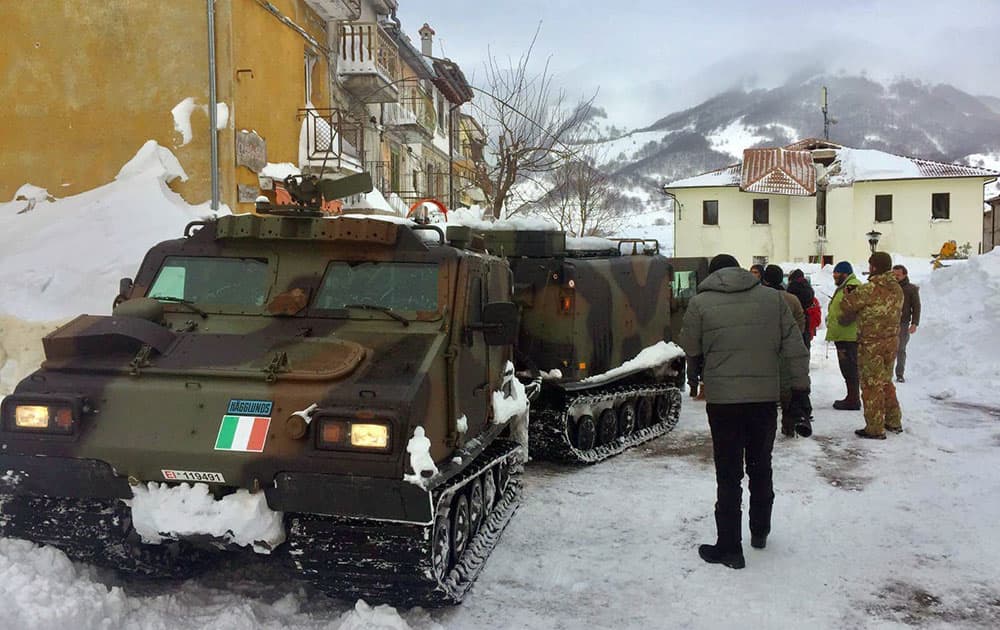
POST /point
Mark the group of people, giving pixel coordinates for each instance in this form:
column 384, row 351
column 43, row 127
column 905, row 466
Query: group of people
column 748, row 338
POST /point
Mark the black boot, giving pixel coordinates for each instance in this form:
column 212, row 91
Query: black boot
column 728, row 549
column 851, row 402
column 758, row 541
column 712, row 554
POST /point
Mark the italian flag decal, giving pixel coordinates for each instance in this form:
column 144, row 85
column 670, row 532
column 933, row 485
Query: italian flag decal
column 242, row 433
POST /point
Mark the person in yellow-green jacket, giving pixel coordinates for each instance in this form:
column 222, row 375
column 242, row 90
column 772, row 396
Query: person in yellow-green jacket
column 877, row 306
column 845, row 336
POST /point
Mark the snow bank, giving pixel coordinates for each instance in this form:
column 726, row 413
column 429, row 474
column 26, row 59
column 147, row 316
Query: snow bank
column 163, row 511
column 956, row 349
column 658, row 354
column 65, row 257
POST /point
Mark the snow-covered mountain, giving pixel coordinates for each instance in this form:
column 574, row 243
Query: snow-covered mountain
column 905, row 116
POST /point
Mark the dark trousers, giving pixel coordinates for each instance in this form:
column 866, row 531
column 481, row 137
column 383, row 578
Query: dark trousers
column 904, row 338
column 847, row 356
column 742, row 432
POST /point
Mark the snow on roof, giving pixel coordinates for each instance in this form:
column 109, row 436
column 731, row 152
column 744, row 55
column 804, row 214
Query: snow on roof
column 851, row 165
column 726, row 176
column 778, row 172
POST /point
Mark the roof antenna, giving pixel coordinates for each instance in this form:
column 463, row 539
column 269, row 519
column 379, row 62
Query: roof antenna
column 827, row 120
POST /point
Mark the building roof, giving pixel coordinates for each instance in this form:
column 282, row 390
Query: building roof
column 778, row 172
column 811, row 144
column 451, row 81
column 725, row 176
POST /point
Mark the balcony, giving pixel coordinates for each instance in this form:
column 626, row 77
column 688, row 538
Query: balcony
column 413, row 117
column 331, row 141
column 369, row 65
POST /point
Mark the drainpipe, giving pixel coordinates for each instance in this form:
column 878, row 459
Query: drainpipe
column 213, row 109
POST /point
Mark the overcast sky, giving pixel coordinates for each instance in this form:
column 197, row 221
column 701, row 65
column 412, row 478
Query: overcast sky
column 652, row 57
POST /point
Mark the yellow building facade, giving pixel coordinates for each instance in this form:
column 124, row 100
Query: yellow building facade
column 90, row 82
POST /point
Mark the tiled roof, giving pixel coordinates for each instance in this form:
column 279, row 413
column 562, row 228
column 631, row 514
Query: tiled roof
column 943, row 169
column 778, row 172
column 783, row 171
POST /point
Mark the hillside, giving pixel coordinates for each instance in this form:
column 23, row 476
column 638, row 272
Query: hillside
column 937, row 122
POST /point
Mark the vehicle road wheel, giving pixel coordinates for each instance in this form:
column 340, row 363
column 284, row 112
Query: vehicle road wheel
column 441, row 551
column 607, row 427
column 586, row 433
column 644, row 412
column 626, row 418
column 662, row 408
column 489, row 492
column 459, row 527
column 476, row 505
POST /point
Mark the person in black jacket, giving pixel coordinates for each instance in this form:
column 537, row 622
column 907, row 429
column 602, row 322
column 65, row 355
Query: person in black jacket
column 798, row 286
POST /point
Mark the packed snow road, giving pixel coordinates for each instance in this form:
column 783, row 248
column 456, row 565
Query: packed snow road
column 866, row 534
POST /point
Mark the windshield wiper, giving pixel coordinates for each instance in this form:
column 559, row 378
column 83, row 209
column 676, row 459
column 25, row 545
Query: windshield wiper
column 382, row 309
column 177, row 300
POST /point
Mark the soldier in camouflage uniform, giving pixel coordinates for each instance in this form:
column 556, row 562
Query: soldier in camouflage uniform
column 876, row 306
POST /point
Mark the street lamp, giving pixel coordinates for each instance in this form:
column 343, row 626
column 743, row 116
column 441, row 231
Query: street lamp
column 873, row 237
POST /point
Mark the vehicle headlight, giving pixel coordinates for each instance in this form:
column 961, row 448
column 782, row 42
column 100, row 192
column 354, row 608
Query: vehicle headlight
column 342, row 434
column 31, row 417
column 370, row 435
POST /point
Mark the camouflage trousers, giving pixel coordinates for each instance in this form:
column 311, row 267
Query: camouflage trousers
column 878, row 393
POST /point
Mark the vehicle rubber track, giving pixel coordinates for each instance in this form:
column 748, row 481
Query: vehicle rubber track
column 97, row 531
column 550, row 426
column 393, row 562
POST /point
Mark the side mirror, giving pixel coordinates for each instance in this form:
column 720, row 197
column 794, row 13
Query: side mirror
column 500, row 323
column 124, row 288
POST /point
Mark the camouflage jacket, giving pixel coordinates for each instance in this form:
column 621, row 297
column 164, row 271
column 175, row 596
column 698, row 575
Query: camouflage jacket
column 876, row 306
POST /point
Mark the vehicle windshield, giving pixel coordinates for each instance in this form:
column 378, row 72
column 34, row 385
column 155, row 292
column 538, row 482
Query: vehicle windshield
column 206, row 281
column 397, row 286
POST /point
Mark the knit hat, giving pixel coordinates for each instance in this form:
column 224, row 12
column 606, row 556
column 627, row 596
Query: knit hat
column 843, row 267
column 773, row 276
column 881, row 262
column 721, row 262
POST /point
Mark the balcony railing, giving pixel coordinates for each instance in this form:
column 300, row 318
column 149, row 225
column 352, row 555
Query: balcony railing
column 369, row 62
column 334, row 139
column 414, row 113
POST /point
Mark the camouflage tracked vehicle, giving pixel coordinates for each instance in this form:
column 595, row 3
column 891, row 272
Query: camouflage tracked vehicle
column 320, row 364
column 589, row 306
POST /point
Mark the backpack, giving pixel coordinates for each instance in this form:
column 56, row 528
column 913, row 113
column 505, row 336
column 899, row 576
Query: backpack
column 814, row 317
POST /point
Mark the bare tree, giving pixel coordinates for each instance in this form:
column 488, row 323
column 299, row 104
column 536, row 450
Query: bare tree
column 527, row 121
column 582, row 200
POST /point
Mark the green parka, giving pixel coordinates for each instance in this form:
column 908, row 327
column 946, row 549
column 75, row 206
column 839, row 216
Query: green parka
column 743, row 330
column 835, row 331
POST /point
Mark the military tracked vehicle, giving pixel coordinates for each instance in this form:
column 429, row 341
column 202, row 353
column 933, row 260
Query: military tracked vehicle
column 589, row 306
column 355, row 374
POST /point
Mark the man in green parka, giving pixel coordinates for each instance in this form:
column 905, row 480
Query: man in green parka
column 877, row 306
column 845, row 337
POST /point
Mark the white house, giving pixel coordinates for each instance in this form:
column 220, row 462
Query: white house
column 819, row 201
